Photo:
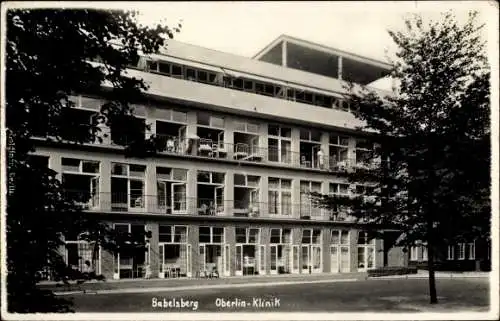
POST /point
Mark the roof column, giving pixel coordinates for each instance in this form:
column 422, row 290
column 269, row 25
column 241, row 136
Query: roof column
column 339, row 74
column 284, row 53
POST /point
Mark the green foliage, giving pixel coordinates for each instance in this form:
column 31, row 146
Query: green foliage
column 434, row 178
column 51, row 55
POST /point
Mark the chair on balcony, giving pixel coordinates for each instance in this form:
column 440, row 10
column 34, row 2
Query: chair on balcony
column 205, row 148
column 240, row 151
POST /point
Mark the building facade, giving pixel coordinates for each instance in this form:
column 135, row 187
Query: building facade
column 245, row 141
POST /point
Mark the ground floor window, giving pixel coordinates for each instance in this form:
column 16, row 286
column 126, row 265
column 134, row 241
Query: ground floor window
column 83, row 257
column 131, row 260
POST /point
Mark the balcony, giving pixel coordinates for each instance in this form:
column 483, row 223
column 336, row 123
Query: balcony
column 152, row 204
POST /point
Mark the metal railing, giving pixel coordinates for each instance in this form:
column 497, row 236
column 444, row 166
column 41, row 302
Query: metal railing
column 153, row 204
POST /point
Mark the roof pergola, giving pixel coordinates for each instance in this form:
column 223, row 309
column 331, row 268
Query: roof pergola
column 315, row 58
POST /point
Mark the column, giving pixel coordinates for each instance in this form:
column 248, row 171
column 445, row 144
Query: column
column 351, row 152
column 297, row 240
column 107, row 261
column 151, row 189
column 263, row 141
column 193, row 240
column 325, row 248
column 264, row 196
column 191, row 129
column 230, row 239
column 353, row 249
column 229, row 137
column 295, row 198
column 154, row 254
column 339, row 63
column 191, row 192
column 284, row 46
column 295, row 146
column 265, row 237
column 379, row 253
column 229, row 193
column 325, row 189
column 105, row 185
column 325, row 147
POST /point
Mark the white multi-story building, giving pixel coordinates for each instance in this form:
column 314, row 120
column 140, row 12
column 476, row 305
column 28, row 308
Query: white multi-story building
column 245, row 141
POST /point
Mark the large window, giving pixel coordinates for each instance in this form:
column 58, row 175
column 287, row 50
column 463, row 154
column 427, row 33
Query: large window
column 280, row 196
column 307, row 208
column 211, row 234
column 247, row 235
column 280, row 236
column 279, row 144
column 311, row 236
column 340, row 237
column 339, row 146
column 80, row 179
column 171, row 189
column 127, row 187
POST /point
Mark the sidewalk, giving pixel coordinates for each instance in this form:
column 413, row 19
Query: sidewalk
column 146, row 285
column 422, row 274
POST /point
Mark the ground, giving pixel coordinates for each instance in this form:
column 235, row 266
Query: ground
column 379, row 295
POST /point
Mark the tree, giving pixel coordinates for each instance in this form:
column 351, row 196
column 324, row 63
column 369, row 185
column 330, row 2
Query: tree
column 432, row 179
column 51, row 55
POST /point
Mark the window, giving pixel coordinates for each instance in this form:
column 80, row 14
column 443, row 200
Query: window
column 340, row 237
column 280, row 236
column 339, row 140
column 310, row 135
column 307, row 207
column 206, row 119
column 451, row 252
column 210, row 177
column 246, row 180
column 461, row 251
column 172, row 234
column 339, row 188
column 279, row 144
column 79, row 166
column 365, row 238
column 280, row 196
column 246, row 127
column 247, row 235
column 127, row 186
column 211, row 234
column 311, row 236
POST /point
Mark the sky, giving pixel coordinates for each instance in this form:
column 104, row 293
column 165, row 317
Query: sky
column 244, row 28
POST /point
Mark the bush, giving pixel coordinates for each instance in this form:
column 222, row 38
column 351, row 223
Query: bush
column 392, row 270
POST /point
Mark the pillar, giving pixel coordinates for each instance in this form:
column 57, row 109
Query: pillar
column 230, row 239
column 295, row 146
column 154, row 254
column 229, row 193
column 265, row 238
column 353, row 249
column 191, row 192
column 105, row 185
column 151, row 189
column 55, row 163
column 264, row 196
column 229, row 137
column 193, row 240
column 295, row 198
column 325, row 248
column 339, row 71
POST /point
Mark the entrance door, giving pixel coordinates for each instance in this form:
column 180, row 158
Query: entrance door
column 295, row 268
column 179, row 198
column 306, row 258
column 345, row 259
column 334, row 259
column 239, row 260
column 274, row 258
column 219, row 200
column 94, row 192
column 316, row 258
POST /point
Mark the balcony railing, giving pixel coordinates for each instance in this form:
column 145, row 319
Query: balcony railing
column 152, row 204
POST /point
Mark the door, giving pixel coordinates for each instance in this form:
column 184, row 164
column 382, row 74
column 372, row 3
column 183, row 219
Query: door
column 262, row 260
column 239, row 260
column 179, row 198
column 370, row 257
column 361, row 258
column 220, row 142
column 226, row 260
column 295, row 259
column 254, row 147
column 316, row 258
column 161, row 261
column 274, row 258
column 306, row 261
column 182, row 143
column 345, row 259
column 219, row 200
column 162, row 198
column 334, row 259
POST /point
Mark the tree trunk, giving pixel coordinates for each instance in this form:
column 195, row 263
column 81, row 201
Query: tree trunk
column 432, row 278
